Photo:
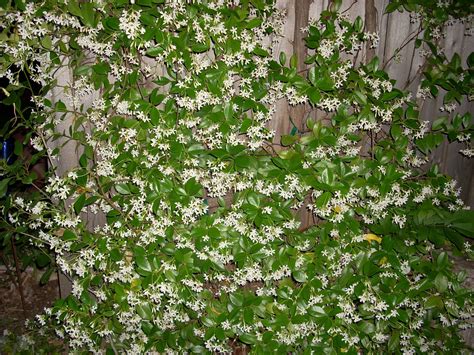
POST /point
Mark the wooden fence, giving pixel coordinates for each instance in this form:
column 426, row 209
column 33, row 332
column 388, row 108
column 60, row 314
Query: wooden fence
column 398, row 56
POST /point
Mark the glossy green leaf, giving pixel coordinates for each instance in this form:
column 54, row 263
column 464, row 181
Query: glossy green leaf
column 143, row 263
column 441, row 282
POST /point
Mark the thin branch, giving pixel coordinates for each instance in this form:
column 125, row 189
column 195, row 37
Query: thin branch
column 418, row 72
column 350, row 6
column 407, row 40
column 18, row 274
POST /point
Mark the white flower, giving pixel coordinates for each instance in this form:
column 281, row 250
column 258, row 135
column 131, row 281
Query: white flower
column 400, row 220
column 37, row 143
column 104, row 168
column 326, row 48
column 405, row 267
column 130, row 24
column 380, row 338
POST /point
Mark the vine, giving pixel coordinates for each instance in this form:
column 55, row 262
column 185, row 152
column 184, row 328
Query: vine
column 199, row 245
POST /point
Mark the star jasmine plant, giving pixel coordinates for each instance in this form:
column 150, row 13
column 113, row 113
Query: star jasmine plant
column 187, row 226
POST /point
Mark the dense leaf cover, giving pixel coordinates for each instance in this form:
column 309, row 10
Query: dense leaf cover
column 201, row 245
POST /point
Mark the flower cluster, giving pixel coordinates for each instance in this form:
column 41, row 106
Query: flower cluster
column 186, row 229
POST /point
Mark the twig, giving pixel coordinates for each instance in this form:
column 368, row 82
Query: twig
column 406, row 42
column 350, row 6
column 372, row 144
column 418, row 72
column 9, row 272
column 18, row 274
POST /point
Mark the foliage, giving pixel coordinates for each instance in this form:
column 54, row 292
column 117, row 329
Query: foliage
column 443, row 76
column 201, row 244
column 22, row 164
column 35, row 343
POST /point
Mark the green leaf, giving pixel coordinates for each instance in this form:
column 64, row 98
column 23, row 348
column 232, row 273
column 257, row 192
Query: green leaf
column 470, row 60
column 282, row 58
column 115, row 254
column 237, row 299
column 69, row 235
column 101, row 68
column 88, row 14
column 314, row 95
column 255, row 22
column 248, row 338
column 4, row 186
column 411, row 113
column 253, row 199
column 287, row 140
column 439, row 123
column 144, row 311
column 111, row 23
column 327, row 176
column 46, row 276
column 360, row 98
column 312, row 75
column 455, row 61
column 20, row 5
column 367, row 327
column 42, row 260
column 248, row 315
column 393, row 343
column 73, row 8
column 46, row 42
column 192, row 187
column 300, row 276
column 434, row 302
column 396, row 131
column 442, row 260
column 18, row 148
column 155, row 99
column 260, row 52
column 228, row 111
column 79, row 204
column 325, row 83
column 143, row 263
column 323, row 200
column 198, row 349
column 60, row 106
column 293, row 61
column 358, row 24
column 82, row 70
column 200, row 47
column 317, row 311
column 122, row 189
column 154, row 51
column 441, row 282
column 389, row 96
column 242, row 161
column 373, row 65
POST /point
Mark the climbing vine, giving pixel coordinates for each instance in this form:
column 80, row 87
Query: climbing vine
column 200, row 243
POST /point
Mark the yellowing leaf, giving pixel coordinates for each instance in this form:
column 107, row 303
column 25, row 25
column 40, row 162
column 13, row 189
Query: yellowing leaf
column 214, row 310
column 369, row 237
column 128, row 256
column 135, row 283
column 5, row 92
